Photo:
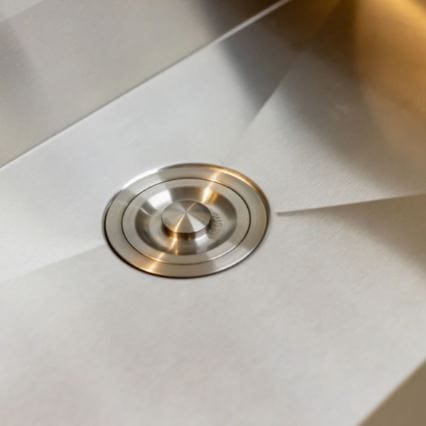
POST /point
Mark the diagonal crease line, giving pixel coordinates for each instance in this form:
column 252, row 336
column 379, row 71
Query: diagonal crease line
column 261, row 109
column 214, row 42
column 17, row 10
column 338, row 206
column 265, row 12
column 402, row 397
column 236, row 147
column 53, row 263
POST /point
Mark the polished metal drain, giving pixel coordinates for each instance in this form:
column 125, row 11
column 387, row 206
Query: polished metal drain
column 187, row 220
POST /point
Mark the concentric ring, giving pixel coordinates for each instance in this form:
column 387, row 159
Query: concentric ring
column 232, row 220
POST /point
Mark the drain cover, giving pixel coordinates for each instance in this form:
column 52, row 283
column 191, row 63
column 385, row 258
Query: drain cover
column 187, row 220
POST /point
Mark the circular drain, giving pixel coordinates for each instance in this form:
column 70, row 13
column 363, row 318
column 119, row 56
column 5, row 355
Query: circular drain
column 187, row 220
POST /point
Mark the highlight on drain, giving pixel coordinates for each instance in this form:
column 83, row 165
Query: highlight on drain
column 186, row 220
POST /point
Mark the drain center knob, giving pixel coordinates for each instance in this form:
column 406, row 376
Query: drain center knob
column 186, row 217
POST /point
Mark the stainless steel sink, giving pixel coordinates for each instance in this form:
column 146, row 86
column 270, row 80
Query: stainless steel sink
column 322, row 104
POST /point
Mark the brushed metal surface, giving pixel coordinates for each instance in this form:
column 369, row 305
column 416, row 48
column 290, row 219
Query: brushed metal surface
column 318, row 328
column 173, row 118
column 59, row 60
column 405, row 406
column 348, row 121
column 10, row 8
column 186, row 220
column 330, row 309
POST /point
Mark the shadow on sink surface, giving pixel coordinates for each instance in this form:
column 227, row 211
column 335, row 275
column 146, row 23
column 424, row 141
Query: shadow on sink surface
column 405, row 406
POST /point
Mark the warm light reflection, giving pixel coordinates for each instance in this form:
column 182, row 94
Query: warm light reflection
column 389, row 59
column 390, row 50
column 208, row 195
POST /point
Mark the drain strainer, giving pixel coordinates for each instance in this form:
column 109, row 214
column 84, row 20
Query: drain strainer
column 187, row 220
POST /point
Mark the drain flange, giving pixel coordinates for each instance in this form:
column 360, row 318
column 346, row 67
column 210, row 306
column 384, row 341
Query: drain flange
column 186, row 220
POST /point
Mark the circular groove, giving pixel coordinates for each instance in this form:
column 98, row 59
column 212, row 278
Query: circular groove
column 186, row 220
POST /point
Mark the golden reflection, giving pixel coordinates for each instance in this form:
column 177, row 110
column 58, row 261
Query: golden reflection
column 389, row 59
column 208, row 195
column 390, row 50
column 173, row 246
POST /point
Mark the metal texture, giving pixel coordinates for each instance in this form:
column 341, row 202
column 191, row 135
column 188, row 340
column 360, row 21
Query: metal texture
column 347, row 123
column 10, row 8
column 187, row 220
column 60, row 61
column 321, row 325
column 174, row 118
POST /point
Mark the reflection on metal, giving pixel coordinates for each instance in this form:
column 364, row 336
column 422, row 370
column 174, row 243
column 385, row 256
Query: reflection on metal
column 187, row 220
column 335, row 296
column 60, row 61
column 405, row 406
column 350, row 113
